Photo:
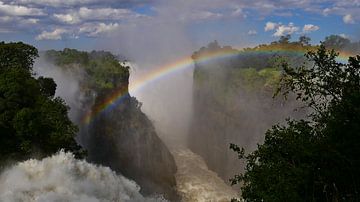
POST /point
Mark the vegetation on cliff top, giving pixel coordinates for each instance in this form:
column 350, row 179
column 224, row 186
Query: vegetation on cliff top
column 33, row 123
column 103, row 70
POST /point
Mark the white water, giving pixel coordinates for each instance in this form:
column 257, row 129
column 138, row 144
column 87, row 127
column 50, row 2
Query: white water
column 196, row 183
column 61, row 177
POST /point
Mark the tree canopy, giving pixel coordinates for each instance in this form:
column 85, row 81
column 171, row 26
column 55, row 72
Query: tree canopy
column 103, row 70
column 33, row 123
column 316, row 159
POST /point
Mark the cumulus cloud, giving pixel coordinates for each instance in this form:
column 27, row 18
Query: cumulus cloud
column 73, row 14
column 17, row 10
column 252, row 32
column 98, row 14
column 5, row 30
column 67, row 18
column 15, row 19
column 68, row 3
column 203, row 15
column 96, row 29
column 7, row 23
column 310, row 28
column 345, row 36
column 280, row 29
column 239, row 12
column 283, row 30
column 56, row 34
column 93, row 29
column 55, row 2
column 348, row 19
column 347, row 9
column 270, row 26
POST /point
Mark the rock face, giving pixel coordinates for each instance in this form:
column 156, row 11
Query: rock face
column 233, row 104
column 125, row 140
column 122, row 137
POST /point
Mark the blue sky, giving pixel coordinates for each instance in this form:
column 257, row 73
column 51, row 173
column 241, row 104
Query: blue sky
column 86, row 24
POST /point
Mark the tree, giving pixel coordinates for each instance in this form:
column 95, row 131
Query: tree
column 47, row 86
column 33, row 123
column 17, row 55
column 336, row 42
column 285, row 39
column 316, row 159
column 304, row 40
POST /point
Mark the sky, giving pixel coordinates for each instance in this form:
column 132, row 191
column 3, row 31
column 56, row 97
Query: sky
column 89, row 24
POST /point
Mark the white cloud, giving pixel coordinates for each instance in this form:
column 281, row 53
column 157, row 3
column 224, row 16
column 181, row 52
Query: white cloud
column 56, row 34
column 31, row 21
column 345, row 36
column 283, row 30
column 85, row 14
column 204, row 15
column 57, row 3
column 238, row 13
column 280, row 29
column 270, row 26
column 96, row 29
column 348, row 3
column 347, row 9
column 5, row 30
column 327, row 11
column 17, row 10
column 252, row 32
column 67, row 18
column 104, row 13
column 5, row 19
column 8, row 22
column 76, row 13
column 348, row 19
column 310, row 28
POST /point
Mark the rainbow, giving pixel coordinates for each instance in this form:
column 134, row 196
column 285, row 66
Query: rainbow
column 121, row 93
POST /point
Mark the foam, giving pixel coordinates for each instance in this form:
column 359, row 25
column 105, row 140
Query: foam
column 61, row 177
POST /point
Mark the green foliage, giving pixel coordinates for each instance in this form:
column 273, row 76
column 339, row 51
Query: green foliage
column 17, row 55
column 318, row 159
column 281, row 169
column 68, row 56
column 47, row 86
column 102, row 68
column 32, row 122
column 339, row 43
column 253, row 80
column 304, row 40
column 336, row 42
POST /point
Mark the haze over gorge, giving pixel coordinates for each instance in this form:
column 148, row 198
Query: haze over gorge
column 179, row 101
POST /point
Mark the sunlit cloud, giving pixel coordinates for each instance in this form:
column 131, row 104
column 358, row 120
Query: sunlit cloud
column 17, row 10
column 56, row 34
column 252, row 32
column 348, row 19
column 310, row 28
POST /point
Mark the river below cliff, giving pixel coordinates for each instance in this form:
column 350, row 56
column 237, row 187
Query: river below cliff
column 195, row 182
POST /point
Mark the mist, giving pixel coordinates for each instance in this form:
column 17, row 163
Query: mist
column 149, row 45
column 68, row 84
column 168, row 99
column 61, row 177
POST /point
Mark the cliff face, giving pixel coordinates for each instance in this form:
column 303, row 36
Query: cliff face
column 122, row 138
column 233, row 103
column 125, row 140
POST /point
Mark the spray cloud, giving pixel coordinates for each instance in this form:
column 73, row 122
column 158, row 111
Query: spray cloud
column 61, row 177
